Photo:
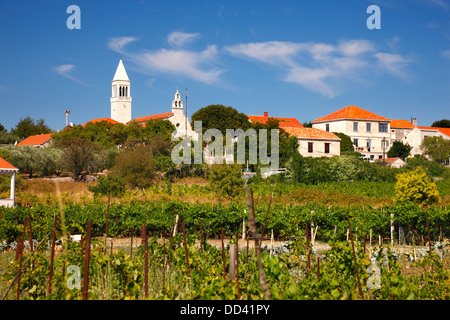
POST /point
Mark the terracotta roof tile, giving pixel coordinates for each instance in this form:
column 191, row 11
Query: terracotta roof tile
column 388, row 160
column 312, row 133
column 351, row 112
column 6, row 165
column 153, row 117
column 35, row 140
column 283, row 122
column 445, row 131
column 109, row 120
column 401, row 124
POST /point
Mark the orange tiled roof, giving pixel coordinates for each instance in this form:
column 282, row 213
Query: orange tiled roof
column 351, row 112
column 6, row 165
column 153, row 117
column 283, row 122
column 35, row 140
column 312, row 133
column 109, row 120
column 401, row 124
column 445, row 131
column 388, row 160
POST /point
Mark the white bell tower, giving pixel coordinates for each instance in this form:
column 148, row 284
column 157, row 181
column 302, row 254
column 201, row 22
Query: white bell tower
column 121, row 97
column 177, row 103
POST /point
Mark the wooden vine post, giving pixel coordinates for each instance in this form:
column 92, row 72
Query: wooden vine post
column 257, row 237
column 223, row 256
column 87, row 252
column 187, row 254
column 145, row 239
column 354, row 257
column 52, row 257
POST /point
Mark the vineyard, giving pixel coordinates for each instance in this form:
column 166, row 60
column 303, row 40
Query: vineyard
column 251, row 248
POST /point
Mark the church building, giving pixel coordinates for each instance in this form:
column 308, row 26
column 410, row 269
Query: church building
column 121, row 107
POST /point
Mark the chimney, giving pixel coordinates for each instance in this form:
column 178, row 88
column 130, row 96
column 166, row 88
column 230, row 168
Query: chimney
column 414, row 122
column 266, row 114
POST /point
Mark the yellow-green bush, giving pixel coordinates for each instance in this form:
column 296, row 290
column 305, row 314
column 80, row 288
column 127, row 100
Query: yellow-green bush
column 417, row 187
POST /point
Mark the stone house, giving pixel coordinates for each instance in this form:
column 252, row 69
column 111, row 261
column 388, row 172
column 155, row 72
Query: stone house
column 369, row 132
column 313, row 142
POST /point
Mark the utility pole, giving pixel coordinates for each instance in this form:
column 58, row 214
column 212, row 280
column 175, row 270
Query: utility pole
column 67, row 112
column 185, row 110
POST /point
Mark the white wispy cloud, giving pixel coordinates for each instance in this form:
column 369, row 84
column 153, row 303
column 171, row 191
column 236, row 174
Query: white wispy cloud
column 325, row 68
column 180, row 39
column 66, row 70
column 446, row 54
column 393, row 64
column 118, row 44
column 321, row 67
column 197, row 65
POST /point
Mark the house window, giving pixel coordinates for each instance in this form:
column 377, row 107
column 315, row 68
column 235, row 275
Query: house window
column 368, row 127
column 327, row 148
column 380, row 156
column 383, row 127
column 355, row 142
column 355, row 126
column 369, row 144
column 327, row 127
column 310, row 147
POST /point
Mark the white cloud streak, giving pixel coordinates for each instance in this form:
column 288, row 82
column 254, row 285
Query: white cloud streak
column 66, row 70
column 197, row 65
column 321, row 67
column 181, row 39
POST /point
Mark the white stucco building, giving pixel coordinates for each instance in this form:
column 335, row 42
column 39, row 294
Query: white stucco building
column 8, row 169
column 313, row 142
column 177, row 117
column 369, row 132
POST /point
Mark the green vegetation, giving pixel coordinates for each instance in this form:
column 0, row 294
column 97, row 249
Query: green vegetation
column 416, row 186
column 437, row 148
column 399, row 149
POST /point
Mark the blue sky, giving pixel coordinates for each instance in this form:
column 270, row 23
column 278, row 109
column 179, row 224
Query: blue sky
column 301, row 59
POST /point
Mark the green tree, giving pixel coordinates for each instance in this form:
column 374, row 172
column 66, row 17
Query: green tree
column 81, row 156
column 220, row 117
column 226, row 179
column 399, row 149
column 137, row 166
column 346, row 144
column 436, row 148
column 287, row 144
column 110, row 186
column 27, row 127
column 416, row 186
column 294, row 167
column 158, row 127
column 34, row 161
column 444, row 123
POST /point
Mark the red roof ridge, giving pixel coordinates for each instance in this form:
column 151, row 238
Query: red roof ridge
column 313, row 133
column 152, row 117
column 36, row 139
column 5, row 165
column 400, row 123
column 282, row 121
column 109, row 120
column 351, row 112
